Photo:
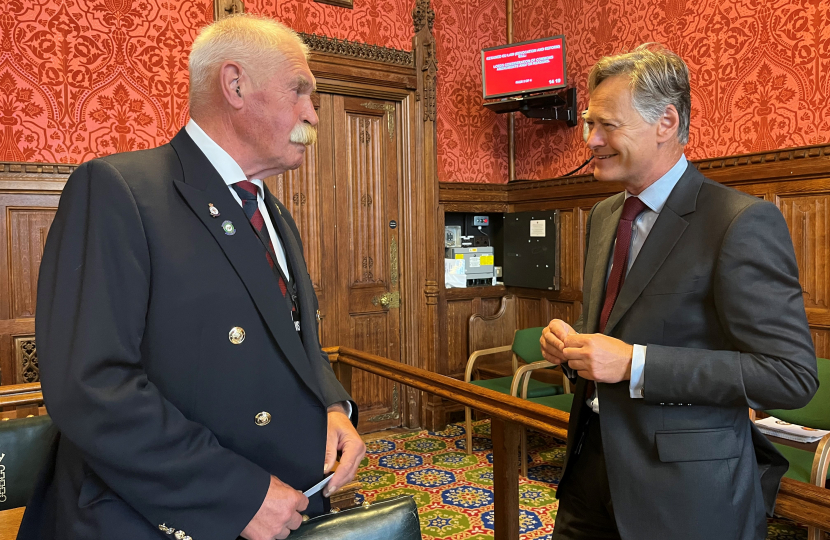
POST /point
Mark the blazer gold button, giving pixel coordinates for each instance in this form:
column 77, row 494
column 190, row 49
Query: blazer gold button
column 236, row 335
column 179, row 535
column 262, row 419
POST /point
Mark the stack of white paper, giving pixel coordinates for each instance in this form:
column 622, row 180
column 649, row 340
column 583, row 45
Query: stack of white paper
column 793, row 432
column 454, row 273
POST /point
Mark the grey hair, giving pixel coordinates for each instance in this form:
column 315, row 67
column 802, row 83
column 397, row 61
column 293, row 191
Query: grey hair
column 257, row 43
column 659, row 78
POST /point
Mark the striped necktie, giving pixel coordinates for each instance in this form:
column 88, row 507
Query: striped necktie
column 247, row 192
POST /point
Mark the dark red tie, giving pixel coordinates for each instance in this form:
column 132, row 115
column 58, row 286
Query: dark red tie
column 247, row 192
column 632, row 208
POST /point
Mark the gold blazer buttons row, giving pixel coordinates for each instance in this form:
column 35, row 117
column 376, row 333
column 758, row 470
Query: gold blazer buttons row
column 178, row 535
column 236, row 335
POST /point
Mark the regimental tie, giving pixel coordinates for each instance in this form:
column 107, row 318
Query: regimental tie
column 632, row 208
column 247, row 192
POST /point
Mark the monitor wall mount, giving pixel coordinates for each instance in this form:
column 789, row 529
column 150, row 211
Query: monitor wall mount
column 549, row 106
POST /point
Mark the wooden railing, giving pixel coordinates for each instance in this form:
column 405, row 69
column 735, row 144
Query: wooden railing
column 799, row 501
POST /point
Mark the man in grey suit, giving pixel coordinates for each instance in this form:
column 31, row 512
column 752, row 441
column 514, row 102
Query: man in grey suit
column 692, row 314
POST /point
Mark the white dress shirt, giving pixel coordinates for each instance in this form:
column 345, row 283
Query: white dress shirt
column 654, row 197
column 231, row 173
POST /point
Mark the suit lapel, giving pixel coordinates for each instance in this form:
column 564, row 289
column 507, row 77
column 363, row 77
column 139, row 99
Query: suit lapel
column 202, row 186
column 661, row 240
column 597, row 265
column 299, row 274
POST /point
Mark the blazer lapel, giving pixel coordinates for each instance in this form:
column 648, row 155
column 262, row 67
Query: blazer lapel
column 597, row 265
column 661, row 240
column 202, row 186
column 299, row 274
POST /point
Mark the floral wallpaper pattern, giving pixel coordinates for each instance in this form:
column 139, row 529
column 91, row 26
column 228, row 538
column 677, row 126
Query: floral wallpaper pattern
column 758, row 70
column 81, row 79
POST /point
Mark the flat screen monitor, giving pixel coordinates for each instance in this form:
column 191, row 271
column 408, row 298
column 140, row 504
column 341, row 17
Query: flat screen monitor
column 524, row 68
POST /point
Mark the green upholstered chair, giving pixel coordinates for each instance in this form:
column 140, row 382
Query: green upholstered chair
column 525, row 346
column 562, row 402
column 806, row 466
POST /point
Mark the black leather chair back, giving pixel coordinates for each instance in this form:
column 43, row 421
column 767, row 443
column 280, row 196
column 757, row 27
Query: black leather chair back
column 25, row 444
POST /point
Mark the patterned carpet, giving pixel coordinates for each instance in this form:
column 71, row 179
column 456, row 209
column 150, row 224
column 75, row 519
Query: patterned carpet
column 453, row 490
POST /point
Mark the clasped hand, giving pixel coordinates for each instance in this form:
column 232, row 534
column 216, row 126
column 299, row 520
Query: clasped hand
column 595, row 357
column 280, row 512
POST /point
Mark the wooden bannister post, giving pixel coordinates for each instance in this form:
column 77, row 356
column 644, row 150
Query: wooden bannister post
column 506, row 437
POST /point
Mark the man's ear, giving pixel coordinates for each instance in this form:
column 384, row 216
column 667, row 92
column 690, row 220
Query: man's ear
column 668, row 124
column 232, row 79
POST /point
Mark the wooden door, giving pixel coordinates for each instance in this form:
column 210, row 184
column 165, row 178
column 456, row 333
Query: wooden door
column 343, row 198
column 366, row 201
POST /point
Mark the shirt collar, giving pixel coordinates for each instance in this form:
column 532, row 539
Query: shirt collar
column 656, row 195
column 225, row 165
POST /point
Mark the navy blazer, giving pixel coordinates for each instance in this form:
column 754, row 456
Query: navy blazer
column 159, row 410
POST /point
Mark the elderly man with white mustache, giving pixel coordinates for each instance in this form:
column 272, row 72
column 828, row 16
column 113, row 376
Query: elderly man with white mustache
column 176, row 326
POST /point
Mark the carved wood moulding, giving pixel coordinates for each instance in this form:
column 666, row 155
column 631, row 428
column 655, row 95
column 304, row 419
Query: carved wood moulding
column 25, row 349
column 16, row 168
column 355, row 49
column 226, row 8
column 814, row 160
column 423, row 15
column 757, row 158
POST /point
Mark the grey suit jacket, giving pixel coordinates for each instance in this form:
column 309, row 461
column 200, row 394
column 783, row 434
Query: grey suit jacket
column 714, row 295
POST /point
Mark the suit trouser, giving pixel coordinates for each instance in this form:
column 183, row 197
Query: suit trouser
column 585, row 509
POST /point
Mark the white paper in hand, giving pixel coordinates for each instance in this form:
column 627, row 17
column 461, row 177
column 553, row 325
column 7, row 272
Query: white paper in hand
column 318, row 486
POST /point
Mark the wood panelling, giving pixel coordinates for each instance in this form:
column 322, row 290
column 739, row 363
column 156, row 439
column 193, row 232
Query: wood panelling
column 807, row 219
column 28, row 197
column 797, row 180
column 26, row 237
column 364, row 139
column 370, row 334
column 458, row 317
column 821, row 338
column 301, row 192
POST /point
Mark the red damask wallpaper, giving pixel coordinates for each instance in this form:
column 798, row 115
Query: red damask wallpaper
column 378, row 22
column 472, row 141
column 758, row 67
column 81, row 79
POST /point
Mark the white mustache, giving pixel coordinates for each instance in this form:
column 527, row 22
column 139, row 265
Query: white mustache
column 303, row 133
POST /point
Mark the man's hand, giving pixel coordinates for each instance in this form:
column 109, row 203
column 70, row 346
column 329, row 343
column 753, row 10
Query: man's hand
column 342, row 436
column 553, row 340
column 598, row 357
column 279, row 513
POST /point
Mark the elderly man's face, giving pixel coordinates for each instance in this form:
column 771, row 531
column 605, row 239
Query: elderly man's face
column 624, row 145
column 279, row 106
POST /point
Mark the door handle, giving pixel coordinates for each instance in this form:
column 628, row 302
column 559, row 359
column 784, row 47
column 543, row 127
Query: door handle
column 388, row 300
